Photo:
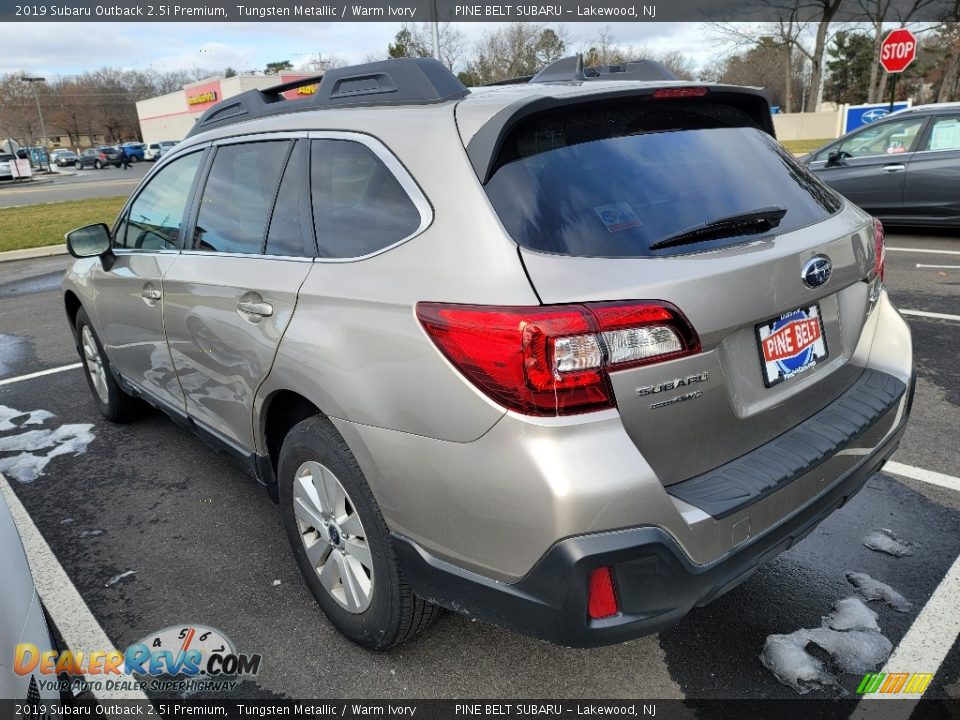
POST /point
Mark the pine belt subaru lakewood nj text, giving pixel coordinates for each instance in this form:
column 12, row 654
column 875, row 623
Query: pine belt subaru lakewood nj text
column 571, row 355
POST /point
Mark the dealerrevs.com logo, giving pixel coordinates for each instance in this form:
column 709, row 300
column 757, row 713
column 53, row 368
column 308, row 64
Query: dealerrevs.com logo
column 177, row 658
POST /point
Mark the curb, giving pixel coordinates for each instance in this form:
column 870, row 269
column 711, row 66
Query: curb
column 29, row 253
column 30, row 183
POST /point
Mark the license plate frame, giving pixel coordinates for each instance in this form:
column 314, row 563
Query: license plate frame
column 779, row 358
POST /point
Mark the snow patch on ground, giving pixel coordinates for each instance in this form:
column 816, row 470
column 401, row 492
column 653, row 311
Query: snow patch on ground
column 849, row 634
column 787, row 658
column 883, row 540
column 117, row 578
column 872, row 589
column 36, row 448
column 851, row 613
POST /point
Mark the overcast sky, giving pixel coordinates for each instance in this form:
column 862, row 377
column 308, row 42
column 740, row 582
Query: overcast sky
column 53, row 49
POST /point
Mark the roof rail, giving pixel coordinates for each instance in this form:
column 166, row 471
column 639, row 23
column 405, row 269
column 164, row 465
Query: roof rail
column 571, row 69
column 401, row 81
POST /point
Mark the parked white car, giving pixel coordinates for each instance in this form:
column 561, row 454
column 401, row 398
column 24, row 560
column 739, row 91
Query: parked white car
column 153, row 151
column 6, row 171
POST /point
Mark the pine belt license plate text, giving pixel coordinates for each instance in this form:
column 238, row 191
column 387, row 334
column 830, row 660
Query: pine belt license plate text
column 791, row 344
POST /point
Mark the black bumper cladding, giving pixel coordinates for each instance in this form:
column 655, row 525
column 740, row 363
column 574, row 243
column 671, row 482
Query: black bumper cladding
column 755, row 475
column 656, row 582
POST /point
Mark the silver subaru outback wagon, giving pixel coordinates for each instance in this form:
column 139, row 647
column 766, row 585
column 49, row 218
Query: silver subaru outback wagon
column 571, row 355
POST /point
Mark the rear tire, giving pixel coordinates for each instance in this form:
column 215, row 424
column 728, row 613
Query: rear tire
column 112, row 402
column 78, row 165
column 97, row 164
column 331, row 516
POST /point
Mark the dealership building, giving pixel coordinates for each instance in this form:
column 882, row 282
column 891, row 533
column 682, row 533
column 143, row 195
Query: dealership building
column 171, row 116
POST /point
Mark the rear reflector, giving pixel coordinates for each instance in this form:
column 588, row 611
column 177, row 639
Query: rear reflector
column 601, row 598
column 554, row 360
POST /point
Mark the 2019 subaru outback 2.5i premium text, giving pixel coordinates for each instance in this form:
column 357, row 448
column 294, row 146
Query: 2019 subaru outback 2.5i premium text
column 572, row 355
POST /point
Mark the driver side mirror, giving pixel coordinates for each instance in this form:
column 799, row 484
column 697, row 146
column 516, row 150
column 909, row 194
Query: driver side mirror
column 91, row 241
column 835, row 157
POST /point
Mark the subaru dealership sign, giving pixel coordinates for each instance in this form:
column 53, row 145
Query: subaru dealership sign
column 856, row 116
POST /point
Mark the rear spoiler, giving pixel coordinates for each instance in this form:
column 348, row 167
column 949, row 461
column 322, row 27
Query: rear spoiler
column 484, row 147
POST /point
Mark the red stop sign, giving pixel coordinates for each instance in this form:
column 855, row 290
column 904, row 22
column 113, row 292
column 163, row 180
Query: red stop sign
column 898, row 50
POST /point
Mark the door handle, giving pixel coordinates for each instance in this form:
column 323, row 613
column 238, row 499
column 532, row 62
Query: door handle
column 893, row 168
column 260, row 309
column 150, row 293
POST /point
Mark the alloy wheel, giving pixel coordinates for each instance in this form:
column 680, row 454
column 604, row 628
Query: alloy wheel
column 333, row 536
column 94, row 363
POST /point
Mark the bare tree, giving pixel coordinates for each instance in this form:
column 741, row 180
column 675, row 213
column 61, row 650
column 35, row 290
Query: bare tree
column 878, row 13
column 415, row 40
column 514, row 50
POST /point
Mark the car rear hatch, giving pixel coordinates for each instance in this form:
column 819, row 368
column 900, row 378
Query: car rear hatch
column 685, row 198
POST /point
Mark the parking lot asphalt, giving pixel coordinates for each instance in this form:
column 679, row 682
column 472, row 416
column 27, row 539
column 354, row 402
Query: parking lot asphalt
column 206, row 544
column 77, row 185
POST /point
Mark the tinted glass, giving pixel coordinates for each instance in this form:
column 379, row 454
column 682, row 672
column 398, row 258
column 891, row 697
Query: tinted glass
column 359, row 207
column 944, row 134
column 889, row 138
column 238, row 195
column 155, row 217
column 284, row 237
column 614, row 183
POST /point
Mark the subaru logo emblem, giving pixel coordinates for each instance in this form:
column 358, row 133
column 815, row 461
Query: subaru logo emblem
column 816, row 271
column 875, row 114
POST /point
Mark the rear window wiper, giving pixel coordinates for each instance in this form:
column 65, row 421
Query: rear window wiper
column 748, row 223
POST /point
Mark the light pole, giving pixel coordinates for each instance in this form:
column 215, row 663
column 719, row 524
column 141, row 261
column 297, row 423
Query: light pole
column 435, row 28
column 43, row 128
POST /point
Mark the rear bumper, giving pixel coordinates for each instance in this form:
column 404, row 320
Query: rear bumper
column 656, row 581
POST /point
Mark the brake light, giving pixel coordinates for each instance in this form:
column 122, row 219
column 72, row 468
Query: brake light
column 601, row 598
column 680, row 92
column 880, row 255
column 554, row 360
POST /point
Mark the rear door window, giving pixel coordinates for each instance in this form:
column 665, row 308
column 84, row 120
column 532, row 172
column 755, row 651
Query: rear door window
column 614, row 181
column 286, row 236
column 944, row 134
column 359, row 206
column 238, row 195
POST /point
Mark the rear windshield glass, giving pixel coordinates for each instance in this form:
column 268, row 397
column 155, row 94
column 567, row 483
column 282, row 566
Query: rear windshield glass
column 612, row 182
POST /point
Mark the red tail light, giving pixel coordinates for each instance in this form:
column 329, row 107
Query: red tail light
column 601, row 598
column 554, row 360
column 680, row 92
column 881, row 250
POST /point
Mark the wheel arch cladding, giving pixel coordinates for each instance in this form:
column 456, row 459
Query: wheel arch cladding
column 283, row 410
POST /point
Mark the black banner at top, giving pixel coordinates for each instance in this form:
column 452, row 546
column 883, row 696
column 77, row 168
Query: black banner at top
column 549, row 11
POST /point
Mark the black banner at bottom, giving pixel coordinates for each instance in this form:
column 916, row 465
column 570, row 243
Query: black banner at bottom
column 868, row 709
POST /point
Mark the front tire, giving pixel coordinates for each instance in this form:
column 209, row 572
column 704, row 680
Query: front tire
column 97, row 164
column 112, row 402
column 341, row 542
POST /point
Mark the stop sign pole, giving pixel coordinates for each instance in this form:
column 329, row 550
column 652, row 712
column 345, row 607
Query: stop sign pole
column 898, row 50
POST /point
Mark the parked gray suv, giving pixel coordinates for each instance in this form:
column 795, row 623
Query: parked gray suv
column 571, row 355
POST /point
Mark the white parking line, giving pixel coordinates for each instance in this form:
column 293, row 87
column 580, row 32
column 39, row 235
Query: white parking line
column 40, row 373
column 934, row 631
column 939, row 267
column 923, row 250
column 77, row 625
column 925, row 314
column 927, row 476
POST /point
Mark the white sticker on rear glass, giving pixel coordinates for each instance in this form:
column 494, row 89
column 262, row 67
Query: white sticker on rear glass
column 617, row 216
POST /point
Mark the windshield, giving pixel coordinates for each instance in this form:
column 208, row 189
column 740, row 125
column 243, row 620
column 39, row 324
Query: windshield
column 614, row 184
